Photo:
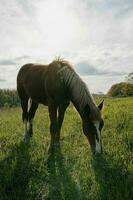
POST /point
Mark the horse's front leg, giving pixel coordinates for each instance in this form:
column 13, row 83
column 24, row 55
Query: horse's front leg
column 52, row 107
column 61, row 111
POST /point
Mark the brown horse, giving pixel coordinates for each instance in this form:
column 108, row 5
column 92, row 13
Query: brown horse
column 55, row 85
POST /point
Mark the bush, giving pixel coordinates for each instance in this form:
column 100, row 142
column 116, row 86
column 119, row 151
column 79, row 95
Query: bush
column 121, row 90
column 9, row 98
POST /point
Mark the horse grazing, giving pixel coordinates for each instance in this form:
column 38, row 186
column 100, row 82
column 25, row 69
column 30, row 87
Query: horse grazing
column 55, row 85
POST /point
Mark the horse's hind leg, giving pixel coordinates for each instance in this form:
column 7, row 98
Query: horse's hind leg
column 29, row 108
column 24, row 105
column 32, row 107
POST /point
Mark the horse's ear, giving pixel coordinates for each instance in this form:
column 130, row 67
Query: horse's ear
column 87, row 110
column 100, row 106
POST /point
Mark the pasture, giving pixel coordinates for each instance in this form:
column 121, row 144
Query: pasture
column 27, row 172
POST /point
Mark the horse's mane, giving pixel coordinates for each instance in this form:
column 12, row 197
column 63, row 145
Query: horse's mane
column 61, row 62
column 79, row 90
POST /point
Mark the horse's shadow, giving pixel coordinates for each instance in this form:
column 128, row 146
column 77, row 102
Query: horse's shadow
column 61, row 185
column 113, row 180
column 15, row 172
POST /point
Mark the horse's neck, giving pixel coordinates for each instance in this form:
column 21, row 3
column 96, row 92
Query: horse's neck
column 80, row 96
column 79, row 93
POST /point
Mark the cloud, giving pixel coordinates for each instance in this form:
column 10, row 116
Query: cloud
column 14, row 61
column 118, row 7
column 24, row 57
column 101, row 83
column 7, row 62
column 95, row 35
column 84, row 68
column 2, row 80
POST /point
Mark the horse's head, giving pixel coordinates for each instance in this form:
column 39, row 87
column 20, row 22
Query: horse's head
column 92, row 127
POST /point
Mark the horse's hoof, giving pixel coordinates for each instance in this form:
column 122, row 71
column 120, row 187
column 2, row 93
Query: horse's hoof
column 26, row 139
column 57, row 145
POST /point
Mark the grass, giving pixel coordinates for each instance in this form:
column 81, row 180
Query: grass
column 27, row 172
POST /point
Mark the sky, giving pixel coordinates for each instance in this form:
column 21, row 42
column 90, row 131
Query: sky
column 95, row 36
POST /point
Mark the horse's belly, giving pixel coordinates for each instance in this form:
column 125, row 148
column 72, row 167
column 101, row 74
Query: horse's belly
column 40, row 100
column 37, row 94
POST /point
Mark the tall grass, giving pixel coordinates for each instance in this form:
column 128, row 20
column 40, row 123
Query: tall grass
column 27, row 172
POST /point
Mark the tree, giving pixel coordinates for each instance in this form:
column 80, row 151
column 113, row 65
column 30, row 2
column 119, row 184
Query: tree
column 9, row 98
column 121, row 89
column 129, row 77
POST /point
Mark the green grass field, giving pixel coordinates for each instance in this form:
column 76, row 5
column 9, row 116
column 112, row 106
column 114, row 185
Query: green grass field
column 27, row 172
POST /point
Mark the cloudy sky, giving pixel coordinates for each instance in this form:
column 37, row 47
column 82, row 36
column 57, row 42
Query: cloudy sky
column 96, row 36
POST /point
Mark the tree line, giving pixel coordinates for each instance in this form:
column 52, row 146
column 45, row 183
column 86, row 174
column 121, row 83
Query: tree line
column 122, row 89
column 9, row 98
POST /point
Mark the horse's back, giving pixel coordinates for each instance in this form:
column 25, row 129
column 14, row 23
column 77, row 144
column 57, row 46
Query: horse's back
column 42, row 82
column 30, row 68
column 30, row 81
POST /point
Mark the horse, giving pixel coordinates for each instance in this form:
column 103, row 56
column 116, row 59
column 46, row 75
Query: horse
column 56, row 85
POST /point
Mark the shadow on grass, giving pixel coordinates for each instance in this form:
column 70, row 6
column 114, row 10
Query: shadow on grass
column 15, row 171
column 114, row 182
column 61, row 185
column 22, row 180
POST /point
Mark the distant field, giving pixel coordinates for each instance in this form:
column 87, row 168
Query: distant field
column 27, row 172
